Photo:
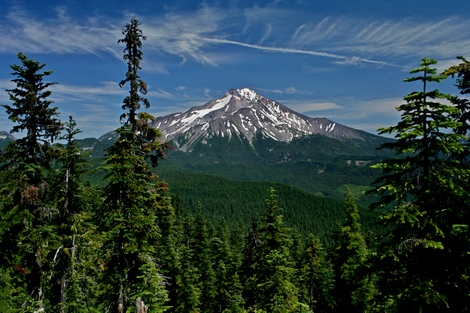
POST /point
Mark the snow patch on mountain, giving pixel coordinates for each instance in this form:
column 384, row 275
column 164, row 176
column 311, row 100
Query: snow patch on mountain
column 247, row 93
column 243, row 113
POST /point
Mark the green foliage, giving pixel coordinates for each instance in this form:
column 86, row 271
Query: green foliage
column 422, row 191
column 315, row 278
column 75, row 255
column 128, row 215
column 27, row 219
column 226, row 265
column 238, row 202
column 272, row 265
column 185, row 290
column 133, row 55
column 31, row 110
column 355, row 284
column 128, row 222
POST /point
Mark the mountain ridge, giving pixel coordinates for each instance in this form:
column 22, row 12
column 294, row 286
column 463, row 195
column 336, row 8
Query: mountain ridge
column 243, row 113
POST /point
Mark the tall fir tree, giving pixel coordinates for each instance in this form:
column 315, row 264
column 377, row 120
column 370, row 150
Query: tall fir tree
column 249, row 266
column 355, row 284
column 204, row 262
column 132, row 198
column 133, row 54
column 275, row 290
column 29, row 238
column 418, row 190
column 32, row 112
column 185, row 289
column 462, row 74
column 315, row 278
column 227, row 282
column 73, row 281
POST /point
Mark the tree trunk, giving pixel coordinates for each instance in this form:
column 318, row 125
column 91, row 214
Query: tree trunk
column 140, row 307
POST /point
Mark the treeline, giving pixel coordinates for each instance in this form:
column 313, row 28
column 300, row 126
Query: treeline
column 68, row 246
column 238, row 202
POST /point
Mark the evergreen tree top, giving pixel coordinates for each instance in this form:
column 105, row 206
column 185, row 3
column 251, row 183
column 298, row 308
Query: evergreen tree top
column 31, row 110
column 133, row 54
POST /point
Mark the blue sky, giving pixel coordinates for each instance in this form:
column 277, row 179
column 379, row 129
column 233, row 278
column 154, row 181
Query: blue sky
column 340, row 59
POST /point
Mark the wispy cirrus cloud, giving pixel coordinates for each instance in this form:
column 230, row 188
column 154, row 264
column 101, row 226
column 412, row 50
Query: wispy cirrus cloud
column 366, row 114
column 191, row 36
column 312, row 107
column 196, row 35
column 406, row 36
column 266, row 34
column 286, row 91
column 60, row 35
column 436, row 38
column 342, row 59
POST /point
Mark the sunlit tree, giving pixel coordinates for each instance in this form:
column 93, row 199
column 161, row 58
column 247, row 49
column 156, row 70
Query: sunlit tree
column 419, row 190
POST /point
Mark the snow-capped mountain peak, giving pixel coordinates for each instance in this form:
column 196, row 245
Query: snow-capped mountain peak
column 243, row 113
column 247, row 93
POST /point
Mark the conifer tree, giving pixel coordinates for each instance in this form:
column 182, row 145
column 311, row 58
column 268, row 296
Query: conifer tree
column 249, row 267
column 185, row 290
column 315, row 278
column 418, row 191
column 169, row 245
column 132, row 198
column 460, row 235
column 28, row 233
column 355, row 285
column 204, row 262
column 275, row 291
column 462, row 71
column 73, row 284
column 227, row 285
column 32, row 112
column 133, row 54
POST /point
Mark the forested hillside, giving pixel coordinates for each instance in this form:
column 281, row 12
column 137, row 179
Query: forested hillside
column 131, row 244
column 314, row 163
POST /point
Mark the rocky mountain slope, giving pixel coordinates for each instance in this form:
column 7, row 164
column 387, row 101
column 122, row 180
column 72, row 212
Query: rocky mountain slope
column 243, row 113
column 5, row 139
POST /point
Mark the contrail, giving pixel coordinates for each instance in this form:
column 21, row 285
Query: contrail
column 298, row 51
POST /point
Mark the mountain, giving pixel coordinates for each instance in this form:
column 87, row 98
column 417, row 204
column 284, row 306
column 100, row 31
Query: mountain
column 245, row 136
column 243, row 113
column 5, row 139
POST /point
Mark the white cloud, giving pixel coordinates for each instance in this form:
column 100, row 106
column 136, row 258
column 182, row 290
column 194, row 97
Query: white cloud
column 432, row 38
column 22, row 32
column 309, row 107
column 105, row 88
column 266, row 34
column 288, row 90
column 367, row 115
column 162, row 94
column 343, row 58
column 193, row 36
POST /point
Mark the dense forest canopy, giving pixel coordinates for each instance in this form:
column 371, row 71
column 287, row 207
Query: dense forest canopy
column 67, row 245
